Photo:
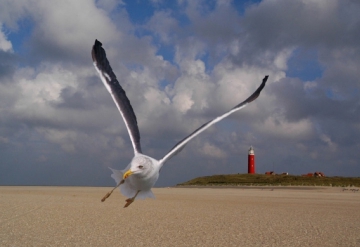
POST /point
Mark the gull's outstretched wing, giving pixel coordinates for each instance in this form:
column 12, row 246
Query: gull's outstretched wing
column 118, row 94
column 180, row 145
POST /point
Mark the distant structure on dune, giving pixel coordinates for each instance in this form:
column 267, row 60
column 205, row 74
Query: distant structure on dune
column 315, row 174
column 251, row 161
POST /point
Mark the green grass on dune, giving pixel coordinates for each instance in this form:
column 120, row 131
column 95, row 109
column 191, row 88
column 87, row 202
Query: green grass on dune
column 267, row 180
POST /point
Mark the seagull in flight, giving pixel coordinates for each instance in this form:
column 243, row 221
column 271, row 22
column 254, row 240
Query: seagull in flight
column 137, row 179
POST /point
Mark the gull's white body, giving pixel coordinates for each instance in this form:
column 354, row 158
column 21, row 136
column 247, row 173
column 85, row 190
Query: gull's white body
column 142, row 181
column 137, row 179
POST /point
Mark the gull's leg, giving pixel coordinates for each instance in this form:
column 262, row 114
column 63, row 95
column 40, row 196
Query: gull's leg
column 109, row 193
column 131, row 200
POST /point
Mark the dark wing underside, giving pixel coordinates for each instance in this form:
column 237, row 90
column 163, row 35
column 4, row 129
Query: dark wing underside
column 180, row 145
column 117, row 93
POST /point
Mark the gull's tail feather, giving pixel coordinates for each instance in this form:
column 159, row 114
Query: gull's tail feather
column 145, row 194
column 117, row 175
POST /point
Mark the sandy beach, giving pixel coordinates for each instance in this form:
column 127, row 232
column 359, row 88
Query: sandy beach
column 74, row 216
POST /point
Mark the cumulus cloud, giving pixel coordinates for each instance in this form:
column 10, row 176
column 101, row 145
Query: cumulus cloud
column 279, row 128
column 213, row 151
column 5, row 45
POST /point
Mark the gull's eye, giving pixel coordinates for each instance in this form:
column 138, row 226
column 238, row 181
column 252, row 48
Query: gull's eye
column 141, row 167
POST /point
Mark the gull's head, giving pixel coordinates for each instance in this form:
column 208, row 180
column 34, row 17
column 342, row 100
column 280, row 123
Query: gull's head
column 140, row 166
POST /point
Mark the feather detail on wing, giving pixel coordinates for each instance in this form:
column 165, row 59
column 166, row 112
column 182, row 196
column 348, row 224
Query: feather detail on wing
column 180, row 145
column 122, row 102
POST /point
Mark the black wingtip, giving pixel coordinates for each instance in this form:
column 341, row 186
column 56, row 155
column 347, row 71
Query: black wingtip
column 97, row 43
column 95, row 50
column 258, row 91
column 262, row 84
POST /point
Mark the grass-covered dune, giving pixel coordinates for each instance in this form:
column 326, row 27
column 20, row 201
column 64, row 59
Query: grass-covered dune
column 267, row 180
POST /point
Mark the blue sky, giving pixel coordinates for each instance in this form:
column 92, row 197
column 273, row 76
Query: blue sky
column 181, row 63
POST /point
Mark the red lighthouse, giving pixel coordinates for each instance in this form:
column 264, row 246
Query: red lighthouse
column 251, row 161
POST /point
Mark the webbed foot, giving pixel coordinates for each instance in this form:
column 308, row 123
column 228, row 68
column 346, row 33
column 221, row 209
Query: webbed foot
column 128, row 202
column 131, row 200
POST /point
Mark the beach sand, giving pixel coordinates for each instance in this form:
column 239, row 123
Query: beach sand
column 74, row 216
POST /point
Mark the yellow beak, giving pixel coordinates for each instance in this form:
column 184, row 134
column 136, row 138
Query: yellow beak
column 126, row 174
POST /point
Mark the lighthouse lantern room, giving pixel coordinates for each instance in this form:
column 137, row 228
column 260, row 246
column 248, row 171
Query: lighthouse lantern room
column 251, row 161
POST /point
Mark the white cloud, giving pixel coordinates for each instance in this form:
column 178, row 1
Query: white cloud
column 12, row 11
column 213, row 151
column 183, row 102
column 38, row 90
column 164, row 25
column 109, row 5
column 61, row 29
column 5, row 44
column 67, row 25
column 277, row 126
column 332, row 146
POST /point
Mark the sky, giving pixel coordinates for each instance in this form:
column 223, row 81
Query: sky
column 181, row 63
